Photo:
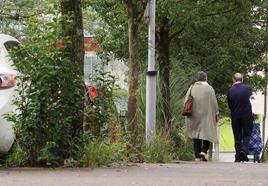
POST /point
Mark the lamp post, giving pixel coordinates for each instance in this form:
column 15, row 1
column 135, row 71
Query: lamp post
column 151, row 76
column 265, row 101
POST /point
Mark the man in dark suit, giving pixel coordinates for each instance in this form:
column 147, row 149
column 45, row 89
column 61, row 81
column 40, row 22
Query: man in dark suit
column 241, row 114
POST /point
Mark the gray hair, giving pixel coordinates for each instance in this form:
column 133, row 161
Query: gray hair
column 201, row 76
column 237, row 77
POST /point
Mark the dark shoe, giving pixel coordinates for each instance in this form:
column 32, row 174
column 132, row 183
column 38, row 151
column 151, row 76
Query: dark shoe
column 256, row 158
column 244, row 157
column 237, row 160
column 203, row 156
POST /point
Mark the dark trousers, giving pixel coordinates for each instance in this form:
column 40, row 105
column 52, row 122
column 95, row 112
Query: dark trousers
column 200, row 146
column 242, row 128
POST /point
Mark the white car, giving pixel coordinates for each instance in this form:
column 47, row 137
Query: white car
column 7, row 91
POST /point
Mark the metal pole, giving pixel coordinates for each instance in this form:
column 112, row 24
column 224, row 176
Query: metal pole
column 265, row 103
column 265, row 113
column 151, row 76
column 217, row 148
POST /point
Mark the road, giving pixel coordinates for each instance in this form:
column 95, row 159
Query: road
column 182, row 174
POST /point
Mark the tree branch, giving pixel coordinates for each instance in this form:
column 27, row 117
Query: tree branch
column 219, row 13
column 127, row 3
column 141, row 14
column 179, row 31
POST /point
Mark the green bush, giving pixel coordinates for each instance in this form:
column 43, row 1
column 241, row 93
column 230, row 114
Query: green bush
column 49, row 94
column 98, row 117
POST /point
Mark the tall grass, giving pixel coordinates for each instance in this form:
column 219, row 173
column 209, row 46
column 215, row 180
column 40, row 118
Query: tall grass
column 160, row 151
column 181, row 78
column 101, row 153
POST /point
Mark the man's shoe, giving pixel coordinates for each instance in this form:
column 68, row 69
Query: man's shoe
column 237, row 160
column 244, row 157
column 203, row 156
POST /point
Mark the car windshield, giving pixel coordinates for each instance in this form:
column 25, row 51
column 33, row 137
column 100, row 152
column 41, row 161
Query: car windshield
column 14, row 45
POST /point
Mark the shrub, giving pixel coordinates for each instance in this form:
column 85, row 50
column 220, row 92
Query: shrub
column 103, row 110
column 49, row 94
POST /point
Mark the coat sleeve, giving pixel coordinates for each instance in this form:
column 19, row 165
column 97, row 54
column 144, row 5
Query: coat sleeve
column 216, row 106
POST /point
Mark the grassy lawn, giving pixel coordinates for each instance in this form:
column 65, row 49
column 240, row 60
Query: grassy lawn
column 226, row 138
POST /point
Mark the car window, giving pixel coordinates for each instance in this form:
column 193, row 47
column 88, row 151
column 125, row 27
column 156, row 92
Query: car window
column 11, row 45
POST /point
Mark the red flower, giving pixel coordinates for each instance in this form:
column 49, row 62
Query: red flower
column 92, row 93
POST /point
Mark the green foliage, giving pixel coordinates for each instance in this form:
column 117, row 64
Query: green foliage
column 48, row 154
column 178, row 85
column 49, row 92
column 201, row 35
column 101, row 145
column 98, row 116
column 16, row 158
column 160, row 151
column 219, row 38
column 183, row 147
column 111, row 34
column 222, row 43
column 15, row 13
column 99, row 152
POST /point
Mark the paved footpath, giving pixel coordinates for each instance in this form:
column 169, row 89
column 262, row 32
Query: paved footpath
column 181, row 174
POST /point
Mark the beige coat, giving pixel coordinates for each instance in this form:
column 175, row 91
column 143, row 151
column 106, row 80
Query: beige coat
column 202, row 123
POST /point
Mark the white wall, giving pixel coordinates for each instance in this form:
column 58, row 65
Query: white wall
column 258, row 108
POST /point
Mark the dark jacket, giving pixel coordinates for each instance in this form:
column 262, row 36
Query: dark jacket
column 239, row 100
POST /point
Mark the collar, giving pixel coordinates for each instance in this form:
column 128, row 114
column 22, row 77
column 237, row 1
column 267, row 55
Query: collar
column 238, row 82
column 202, row 82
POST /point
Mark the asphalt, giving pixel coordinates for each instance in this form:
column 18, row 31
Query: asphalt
column 181, row 174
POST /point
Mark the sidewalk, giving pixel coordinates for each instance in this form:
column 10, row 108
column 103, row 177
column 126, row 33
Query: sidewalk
column 182, row 174
column 226, row 156
column 230, row 157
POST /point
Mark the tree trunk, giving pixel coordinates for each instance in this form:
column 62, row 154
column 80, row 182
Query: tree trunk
column 133, row 79
column 135, row 12
column 164, row 68
column 72, row 10
column 72, row 28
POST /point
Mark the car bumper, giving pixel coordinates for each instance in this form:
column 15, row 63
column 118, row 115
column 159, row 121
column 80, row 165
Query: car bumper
column 6, row 130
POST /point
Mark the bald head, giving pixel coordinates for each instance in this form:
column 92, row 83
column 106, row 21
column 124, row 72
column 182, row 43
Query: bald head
column 237, row 77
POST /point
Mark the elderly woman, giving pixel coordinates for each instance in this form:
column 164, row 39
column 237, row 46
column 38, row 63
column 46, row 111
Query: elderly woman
column 201, row 126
